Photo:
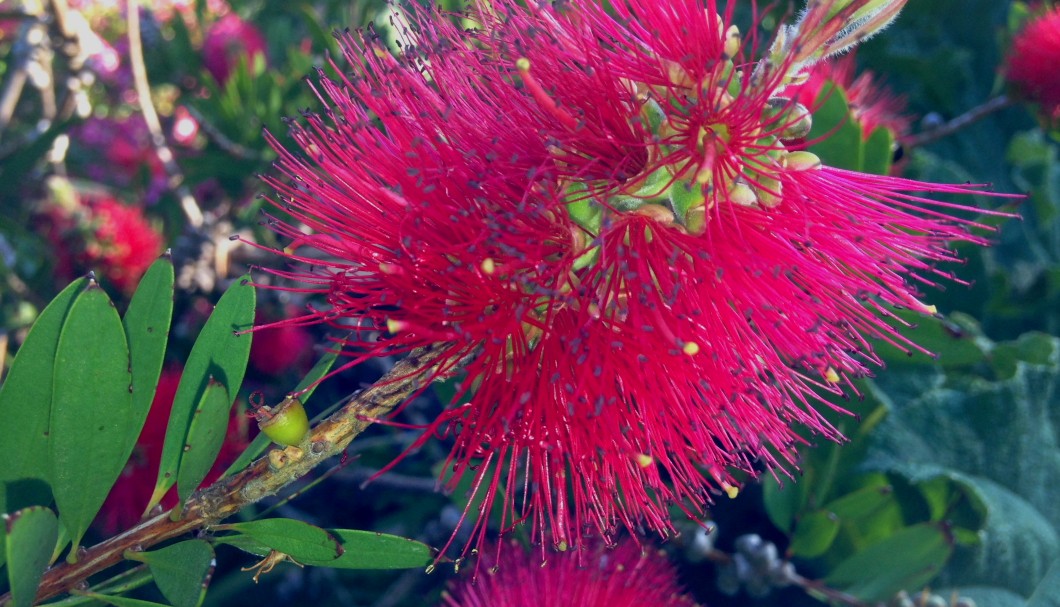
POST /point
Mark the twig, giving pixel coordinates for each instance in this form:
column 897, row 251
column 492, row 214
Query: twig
column 22, row 53
column 214, row 134
column 175, row 179
column 264, row 477
column 972, row 116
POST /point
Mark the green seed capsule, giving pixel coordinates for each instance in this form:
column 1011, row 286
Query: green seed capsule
column 286, row 423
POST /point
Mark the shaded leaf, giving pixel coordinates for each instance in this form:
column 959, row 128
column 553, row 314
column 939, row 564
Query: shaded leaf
column 206, row 435
column 90, row 410
column 301, row 541
column 181, row 571
column 31, row 536
column 25, row 403
column 122, row 601
column 814, row 534
column 907, row 559
column 835, row 135
column 221, row 352
column 782, row 503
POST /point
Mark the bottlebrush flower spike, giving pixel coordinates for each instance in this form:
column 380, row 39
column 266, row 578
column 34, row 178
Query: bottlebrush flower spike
column 626, row 576
column 598, row 214
column 1034, row 62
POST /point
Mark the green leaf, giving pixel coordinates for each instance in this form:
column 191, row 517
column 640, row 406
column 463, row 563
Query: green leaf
column 835, row 135
column 907, row 559
column 1001, row 440
column 879, row 150
column 220, row 352
column 147, row 328
column 814, row 534
column 361, row 550
column 26, row 402
column 782, row 503
column 181, row 571
column 301, row 541
column 91, row 410
column 121, row 601
column 31, row 535
column 206, row 435
column 371, row 550
column 304, row 390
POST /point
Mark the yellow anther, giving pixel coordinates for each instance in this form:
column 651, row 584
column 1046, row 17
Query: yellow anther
column 644, row 460
column 488, row 266
column 730, row 490
column 690, row 348
column 831, row 376
column 522, row 64
column 396, row 326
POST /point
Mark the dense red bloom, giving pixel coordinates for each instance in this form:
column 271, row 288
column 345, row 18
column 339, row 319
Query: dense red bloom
column 102, row 234
column 1034, row 62
column 625, row 576
column 599, row 215
column 229, row 41
column 131, row 493
column 872, row 105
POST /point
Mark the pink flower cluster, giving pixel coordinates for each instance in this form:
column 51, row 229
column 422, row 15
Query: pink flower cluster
column 601, row 217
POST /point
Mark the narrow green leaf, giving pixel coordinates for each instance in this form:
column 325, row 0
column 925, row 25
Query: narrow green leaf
column 860, row 504
column 31, row 534
column 90, row 410
column 814, row 534
column 361, row 550
column 783, row 503
column 221, row 352
column 147, row 329
column 181, row 571
column 206, row 435
column 121, row 601
column 371, row 550
column 301, row 541
column 910, row 558
column 25, row 403
column 304, row 389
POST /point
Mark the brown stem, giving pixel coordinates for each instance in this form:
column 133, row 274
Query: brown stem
column 970, row 117
column 264, row 477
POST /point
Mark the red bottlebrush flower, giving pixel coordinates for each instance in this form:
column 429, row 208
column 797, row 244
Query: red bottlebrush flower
column 626, row 576
column 597, row 215
column 872, row 105
column 1034, row 62
column 130, row 494
column 105, row 235
column 229, row 41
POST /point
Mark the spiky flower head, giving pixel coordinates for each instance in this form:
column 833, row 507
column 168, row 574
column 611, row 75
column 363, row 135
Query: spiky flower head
column 1034, row 62
column 228, row 42
column 597, row 214
column 625, row 576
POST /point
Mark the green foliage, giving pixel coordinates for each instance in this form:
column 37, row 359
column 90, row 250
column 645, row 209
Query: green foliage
column 26, row 404
column 220, row 352
column 91, row 410
column 181, row 571
column 31, row 535
column 206, row 435
column 360, row 550
column 301, row 541
column 998, row 437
